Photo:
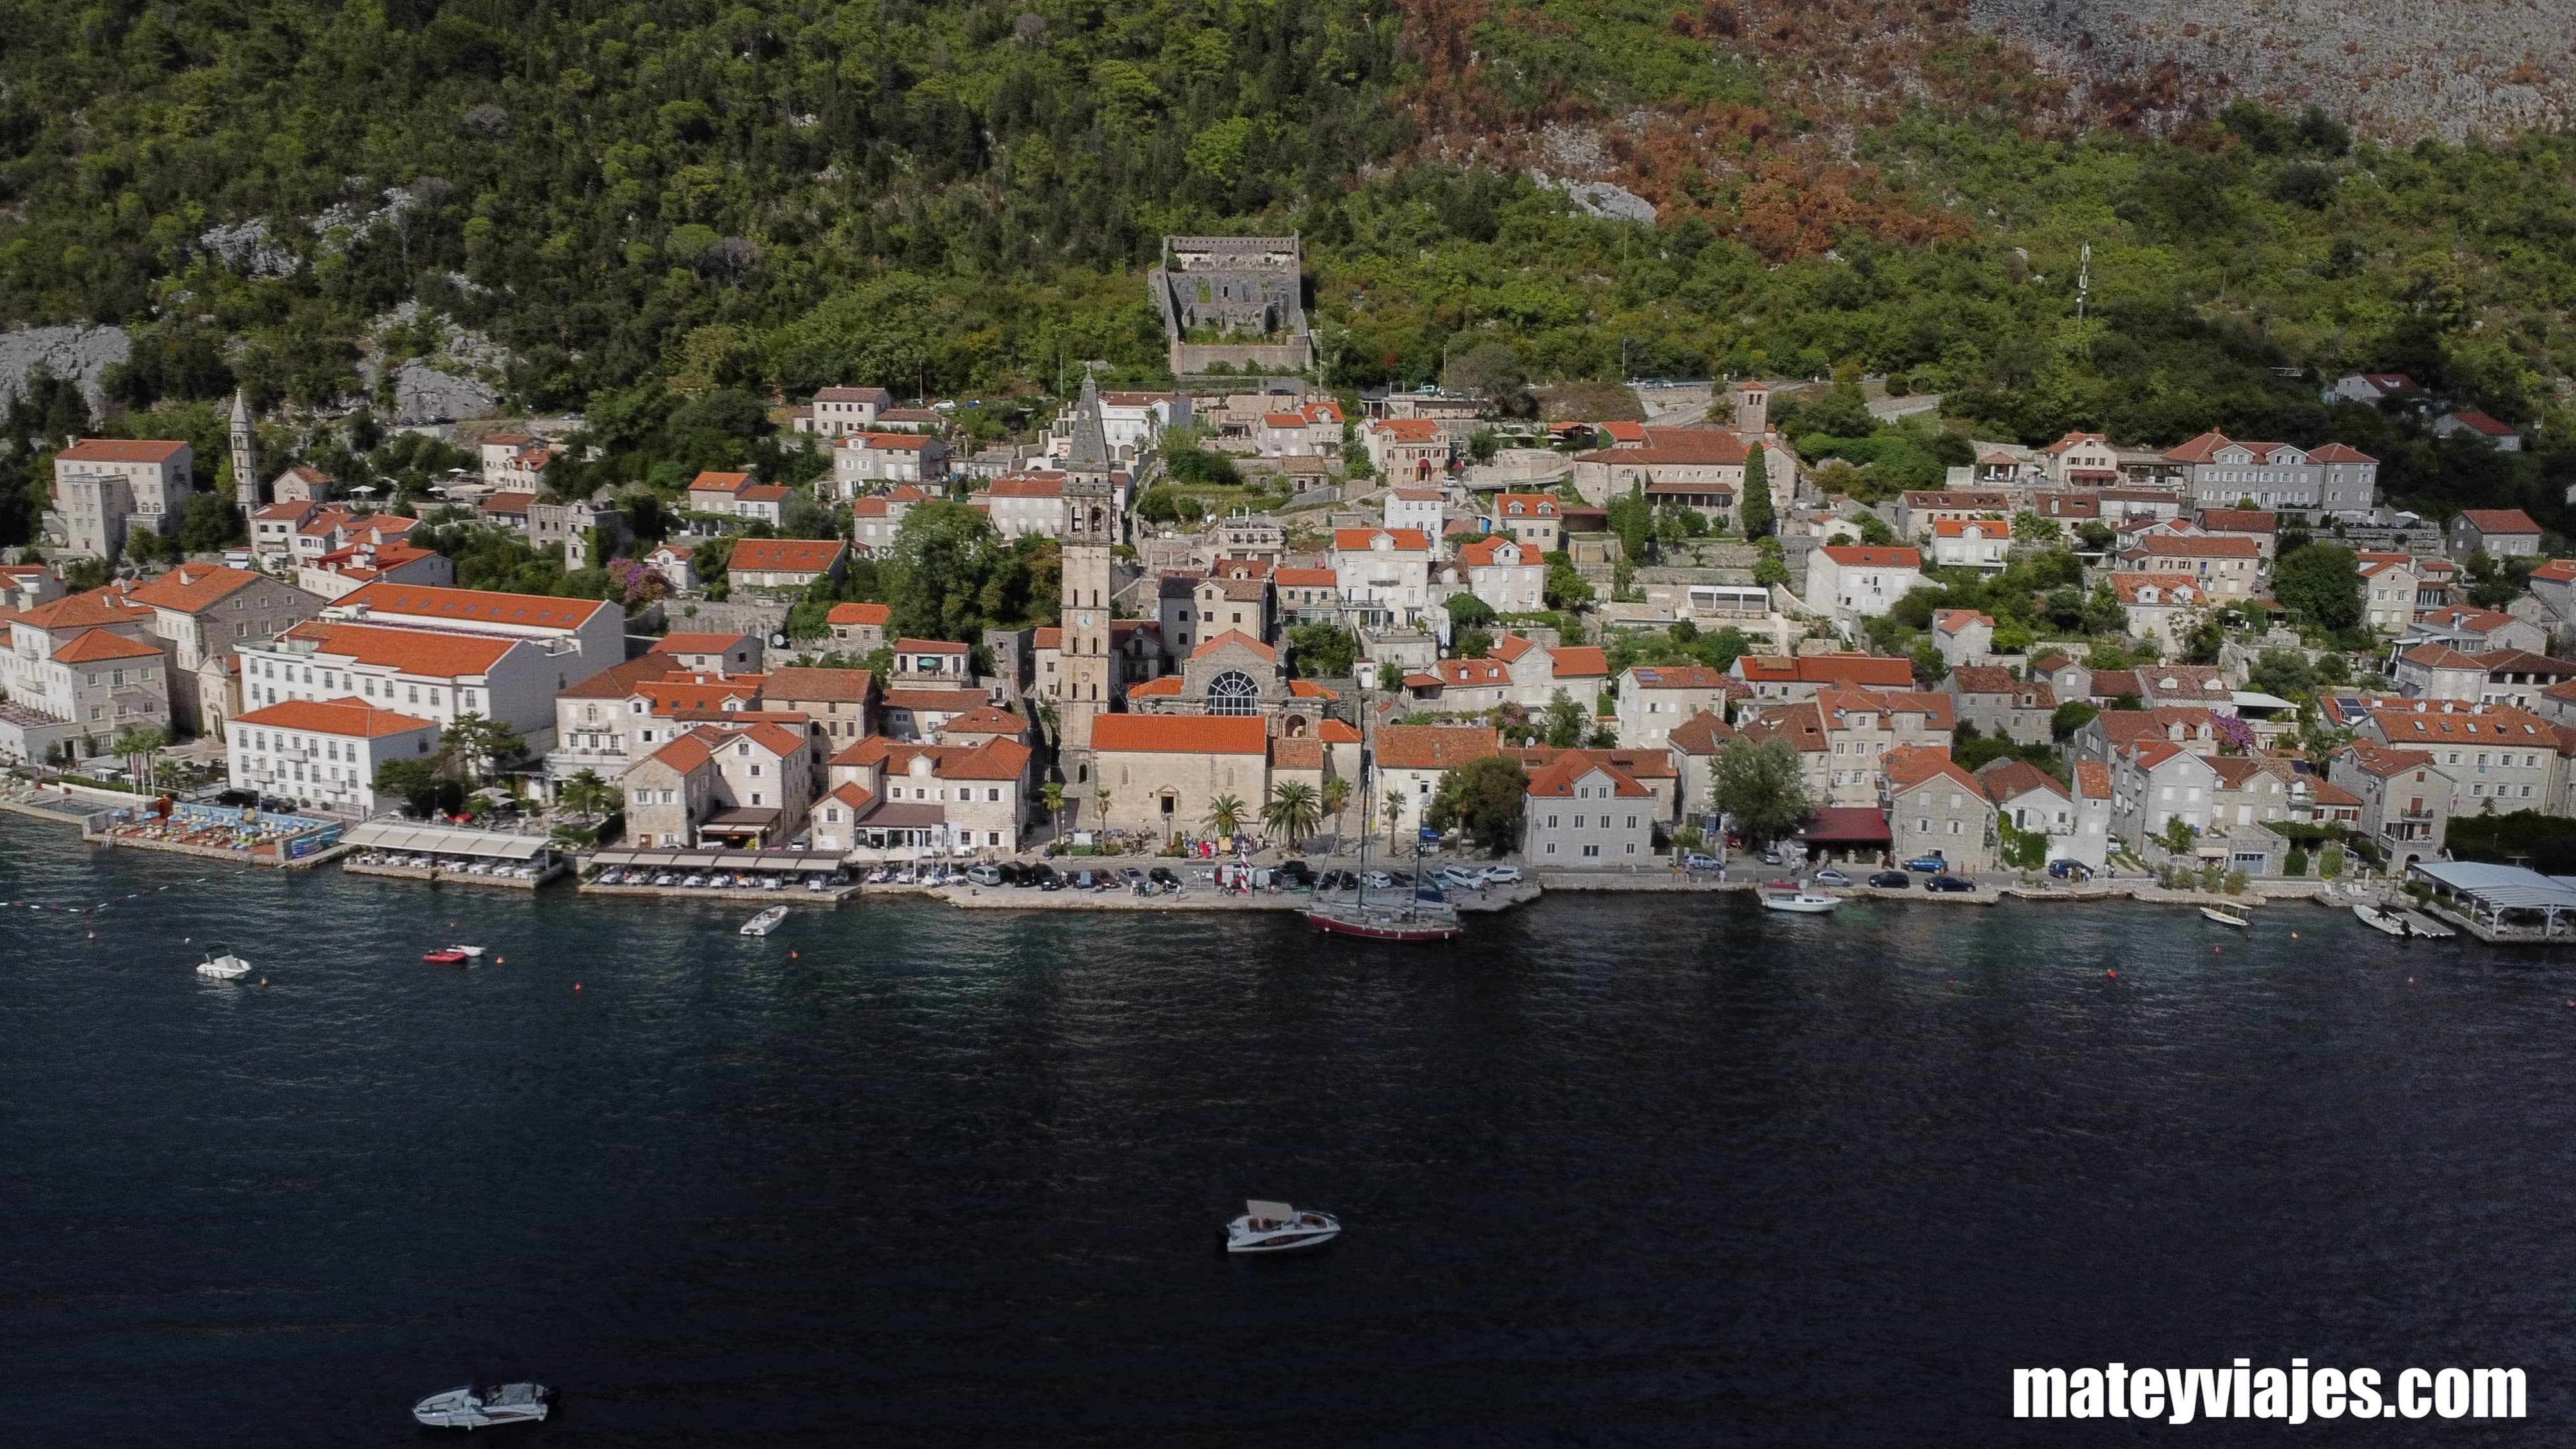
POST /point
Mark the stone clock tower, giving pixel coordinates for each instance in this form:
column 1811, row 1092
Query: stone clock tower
column 1089, row 671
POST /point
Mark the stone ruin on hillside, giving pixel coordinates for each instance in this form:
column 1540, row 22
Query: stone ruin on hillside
column 1236, row 300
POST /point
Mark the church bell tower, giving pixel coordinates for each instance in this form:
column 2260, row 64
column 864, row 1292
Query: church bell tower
column 1090, row 531
column 245, row 460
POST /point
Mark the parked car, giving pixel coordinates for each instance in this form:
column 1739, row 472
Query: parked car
column 1332, row 880
column 1462, row 877
column 1048, row 879
column 1013, row 873
column 1928, row 864
column 1162, row 876
column 1084, row 880
column 1502, row 875
column 1892, row 880
column 984, row 875
column 1950, row 884
column 1701, row 860
column 1295, row 875
column 1770, row 857
column 1377, row 880
column 2074, row 870
column 1830, row 876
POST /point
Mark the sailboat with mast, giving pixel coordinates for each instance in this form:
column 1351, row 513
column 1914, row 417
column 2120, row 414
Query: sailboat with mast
column 1399, row 913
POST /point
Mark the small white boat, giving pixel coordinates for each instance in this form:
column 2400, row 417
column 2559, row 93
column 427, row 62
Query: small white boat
column 2386, row 922
column 766, row 922
column 1803, row 902
column 2222, row 917
column 464, row 1408
column 470, row 953
column 1275, row 1227
column 226, row 967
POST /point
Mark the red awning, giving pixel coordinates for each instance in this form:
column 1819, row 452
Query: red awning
column 1848, row 825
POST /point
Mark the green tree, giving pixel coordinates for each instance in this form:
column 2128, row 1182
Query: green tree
column 2322, row 585
column 1929, row 667
column 473, row 746
column 135, row 746
column 1466, row 611
column 1565, row 587
column 1225, row 815
column 1323, row 651
column 1052, row 792
column 1394, row 807
column 2069, row 719
column 208, row 524
column 946, row 574
column 2177, row 837
column 1482, row 797
column 1761, row 786
column 1294, row 813
column 1390, row 676
column 1757, row 511
column 1336, row 799
column 590, row 797
column 1563, row 722
column 416, row 781
column 2283, row 673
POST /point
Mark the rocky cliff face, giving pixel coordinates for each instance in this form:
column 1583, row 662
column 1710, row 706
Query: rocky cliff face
column 2391, row 68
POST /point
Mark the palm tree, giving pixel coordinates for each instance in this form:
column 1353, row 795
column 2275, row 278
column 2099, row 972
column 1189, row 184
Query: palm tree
column 1337, row 798
column 1394, row 815
column 1225, row 815
column 1294, row 811
column 1052, row 792
column 135, row 744
column 589, row 796
column 1102, row 796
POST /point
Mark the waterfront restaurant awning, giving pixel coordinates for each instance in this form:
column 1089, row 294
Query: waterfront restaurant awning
column 2504, row 902
column 1848, row 825
column 420, row 839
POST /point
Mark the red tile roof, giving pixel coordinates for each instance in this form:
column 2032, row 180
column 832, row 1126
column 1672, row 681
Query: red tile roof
column 97, row 646
column 190, row 588
column 848, row 614
column 1580, row 661
column 533, row 611
column 1360, row 540
column 122, row 450
column 1558, row 778
column 1234, row 638
column 785, row 555
column 2500, row 520
column 1859, row 556
column 1911, row 767
column 408, row 651
column 1180, row 734
column 351, row 718
column 823, row 686
column 1434, row 747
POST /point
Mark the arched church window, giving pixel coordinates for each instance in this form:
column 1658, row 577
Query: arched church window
column 1233, row 692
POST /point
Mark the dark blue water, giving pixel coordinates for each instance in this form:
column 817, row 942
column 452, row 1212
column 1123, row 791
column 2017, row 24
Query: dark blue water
column 1622, row 1171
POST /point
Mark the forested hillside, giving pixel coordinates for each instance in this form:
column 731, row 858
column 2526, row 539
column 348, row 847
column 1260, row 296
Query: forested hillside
column 742, row 202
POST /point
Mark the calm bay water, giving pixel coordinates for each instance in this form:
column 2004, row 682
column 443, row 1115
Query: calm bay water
column 1621, row 1171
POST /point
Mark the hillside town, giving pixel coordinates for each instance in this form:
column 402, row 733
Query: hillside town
column 1263, row 620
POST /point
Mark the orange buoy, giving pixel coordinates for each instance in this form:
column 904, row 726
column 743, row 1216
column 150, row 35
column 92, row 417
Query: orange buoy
column 792, row 956
column 576, row 986
column 500, row 960
column 2115, row 975
column 2217, row 950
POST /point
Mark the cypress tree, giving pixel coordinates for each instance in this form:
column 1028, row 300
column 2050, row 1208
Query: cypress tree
column 1757, row 494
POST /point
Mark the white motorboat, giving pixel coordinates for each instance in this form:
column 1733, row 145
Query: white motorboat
column 766, row 922
column 2222, row 917
column 1275, row 1227
column 465, row 1408
column 1803, row 902
column 2386, row 922
column 226, row 967
column 470, row 953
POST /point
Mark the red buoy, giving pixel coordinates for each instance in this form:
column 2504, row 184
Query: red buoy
column 2115, row 975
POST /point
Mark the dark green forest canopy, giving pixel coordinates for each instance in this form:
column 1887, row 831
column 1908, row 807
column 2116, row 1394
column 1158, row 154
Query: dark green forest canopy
column 760, row 198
